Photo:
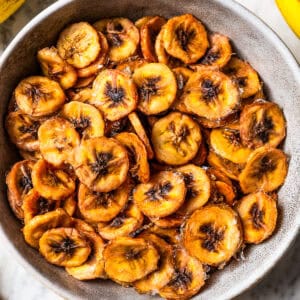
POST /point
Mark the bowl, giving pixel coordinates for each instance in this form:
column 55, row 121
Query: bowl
column 253, row 40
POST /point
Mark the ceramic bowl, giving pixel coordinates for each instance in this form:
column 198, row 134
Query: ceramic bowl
column 253, row 40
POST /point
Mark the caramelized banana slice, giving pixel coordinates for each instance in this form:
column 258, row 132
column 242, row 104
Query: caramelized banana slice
column 123, row 37
column 101, row 164
column 159, row 278
column 99, row 63
column 176, row 138
column 201, row 155
column 258, row 213
column 19, row 184
column 265, row 170
column 170, row 235
column 127, row 259
column 156, row 86
column 64, row 247
column 55, row 68
column 162, row 195
column 149, row 32
column 39, row 96
column 219, row 52
column 182, row 75
column 174, row 220
column 58, row 139
column 84, row 94
column 37, row 226
column 102, row 207
column 244, row 75
column 86, row 119
column 112, row 128
column 185, row 38
column 262, row 123
column 69, row 205
column 188, row 278
column 125, row 223
column 34, row 204
column 22, row 130
column 114, row 94
column 211, row 95
column 227, row 143
column 213, row 234
column 139, row 166
column 93, row 267
column 142, row 21
column 141, row 133
column 52, row 183
column 79, row 44
column 131, row 65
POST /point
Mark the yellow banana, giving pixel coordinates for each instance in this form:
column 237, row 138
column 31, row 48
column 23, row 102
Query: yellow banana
column 8, row 7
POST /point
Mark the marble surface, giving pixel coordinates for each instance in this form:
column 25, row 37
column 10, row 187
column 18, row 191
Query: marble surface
column 282, row 283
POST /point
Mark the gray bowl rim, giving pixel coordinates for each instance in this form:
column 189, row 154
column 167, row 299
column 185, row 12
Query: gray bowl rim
column 245, row 13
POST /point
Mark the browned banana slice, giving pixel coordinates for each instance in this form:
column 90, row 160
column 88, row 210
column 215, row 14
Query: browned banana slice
column 170, row 235
column 149, row 32
column 37, row 226
column 31, row 155
column 213, row 234
column 123, row 37
column 22, row 130
column 39, row 96
column 58, row 139
column 52, row 183
column 258, row 213
column 79, row 44
column 93, row 267
column 227, row 143
column 99, row 63
column 86, row 119
column 141, row 133
column 201, row 155
column 176, row 138
column 174, row 220
column 19, row 184
column 162, row 195
column 142, row 21
column 265, row 170
column 84, row 94
column 112, row 128
column 159, row 278
column 244, row 75
column 219, row 52
column 125, row 223
column 157, row 88
column 188, row 278
column 211, row 95
column 34, row 204
column 185, row 38
column 131, row 65
column 102, row 207
column 64, row 247
column 114, row 94
column 69, row 205
column 262, row 123
column 182, row 75
column 54, row 67
column 231, row 169
column 101, row 164
column 127, row 259
column 139, row 166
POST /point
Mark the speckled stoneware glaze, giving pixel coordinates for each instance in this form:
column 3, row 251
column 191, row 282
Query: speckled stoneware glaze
column 253, row 40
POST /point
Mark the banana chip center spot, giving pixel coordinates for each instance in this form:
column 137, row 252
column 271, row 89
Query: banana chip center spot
column 257, row 216
column 184, row 37
column 181, row 279
column 149, row 88
column 159, row 191
column 116, row 94
column 67, row 246
column 100, row 166
column 213, row 237
column 209, row 90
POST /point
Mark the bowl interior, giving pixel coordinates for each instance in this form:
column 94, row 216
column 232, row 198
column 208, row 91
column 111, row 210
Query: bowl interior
column 252, row 41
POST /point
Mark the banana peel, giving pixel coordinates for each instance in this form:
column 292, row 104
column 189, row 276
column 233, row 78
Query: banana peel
column 9, row 7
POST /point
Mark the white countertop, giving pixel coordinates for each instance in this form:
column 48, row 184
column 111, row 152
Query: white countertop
column 283, row 282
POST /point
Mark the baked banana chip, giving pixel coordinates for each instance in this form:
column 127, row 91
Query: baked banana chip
column 170, row 235
column 114, row 94
column 55, row 68
column 258, row 212
column 142, row 21
column 127, row 259
column 265, row 170
column 79, row 44
column 156, row 86
column 50, row 182
column 58, row 140
column 162, row 195
column 69, row 205
column 123, row 37
column 86, row 119
column 101, row 164
column 176, row 138
column 262, row 123
column 131, row 64
column 188, row 278
column 182, row 75
column 39, row 96
column 185, row 38
column 213, row 234
column 64, row 247
column 81, row 94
